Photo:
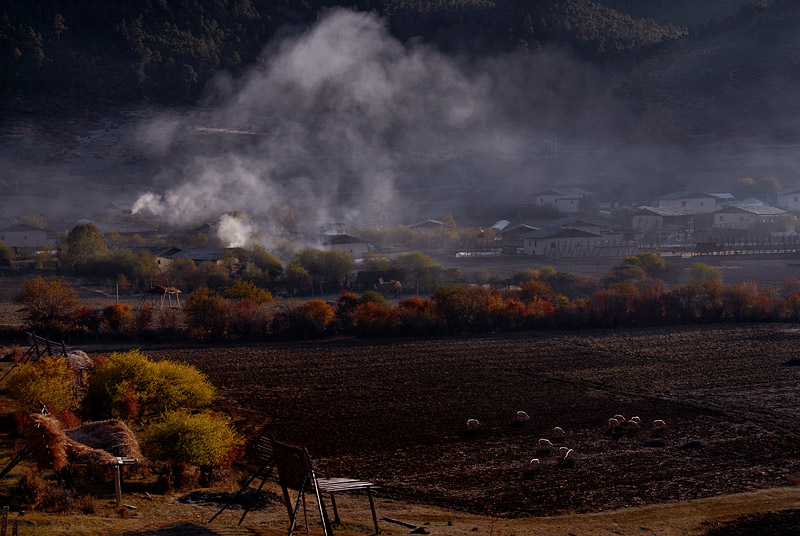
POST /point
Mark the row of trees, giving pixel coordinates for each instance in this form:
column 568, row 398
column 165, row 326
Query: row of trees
column 245, row 311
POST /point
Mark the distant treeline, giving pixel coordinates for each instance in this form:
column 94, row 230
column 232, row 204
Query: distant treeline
column 111, row 52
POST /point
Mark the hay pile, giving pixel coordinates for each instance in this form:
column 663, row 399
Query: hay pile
column 111, row 436
column 95, row 443
column 78, row 359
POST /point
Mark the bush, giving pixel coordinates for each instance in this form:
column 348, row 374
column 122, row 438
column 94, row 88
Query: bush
column 48, row 303
column 371, row 296
column 117, row 317
column 191, row 439
column 314, row 316
column 130, row 381
column 49, row 380
column 375, row 320
column 206, row 313
column 241, row 290
column 704, row 272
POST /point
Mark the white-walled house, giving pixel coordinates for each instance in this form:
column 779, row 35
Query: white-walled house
column 557, row 241
column 564, row 200
column 647, row 219
column 697, row 202
column 345, row 242
column 23, row 236
column 789, row 199
column 746, row 217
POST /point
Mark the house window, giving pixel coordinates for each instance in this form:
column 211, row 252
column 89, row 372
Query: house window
column 683, row 203
column 795, row 198
column 552, row 245
column 701, row 203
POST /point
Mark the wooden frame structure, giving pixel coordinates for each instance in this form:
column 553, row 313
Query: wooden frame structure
column 296, row 472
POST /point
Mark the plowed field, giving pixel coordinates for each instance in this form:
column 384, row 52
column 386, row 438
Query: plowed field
column 396, row 411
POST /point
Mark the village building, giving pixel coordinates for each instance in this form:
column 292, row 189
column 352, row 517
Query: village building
column 789, row 199
column 427, row 226
column 23, row 236
column 748, row 217
column 512, row 235
column 559, row 241
column 697, row 202
column 565, row 200
column 197, row 255
column 649, row 219
column 123, row 228
column 346, row 242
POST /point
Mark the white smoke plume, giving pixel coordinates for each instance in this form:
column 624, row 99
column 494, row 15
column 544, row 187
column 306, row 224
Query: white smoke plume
column 343, row 122
column 235, row 232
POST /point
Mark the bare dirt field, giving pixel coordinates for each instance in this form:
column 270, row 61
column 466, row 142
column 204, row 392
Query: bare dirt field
column 396, row 411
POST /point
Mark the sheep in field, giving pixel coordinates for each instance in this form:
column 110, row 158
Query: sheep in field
column 532, row 468
column 521, row 419
column 637, row 420
column 558, row 434
column 568, row 460
column 473, row 424
column 544, row 446
column 620, row 418
column 659, row 427
column 633, row 428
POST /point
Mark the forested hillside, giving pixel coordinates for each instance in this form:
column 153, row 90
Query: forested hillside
column 679, row 12
column 734, row 77
column 112, row 52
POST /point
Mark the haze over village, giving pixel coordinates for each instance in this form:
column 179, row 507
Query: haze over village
column 420, row 266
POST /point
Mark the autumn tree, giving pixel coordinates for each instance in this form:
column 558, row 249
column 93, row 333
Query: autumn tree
column 206, row 313
column 81, row 245
column 48, row 303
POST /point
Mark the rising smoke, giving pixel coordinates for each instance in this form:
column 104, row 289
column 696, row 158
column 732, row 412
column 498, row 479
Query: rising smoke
column 347, row 124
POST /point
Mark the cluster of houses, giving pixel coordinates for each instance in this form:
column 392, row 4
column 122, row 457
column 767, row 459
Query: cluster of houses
column 676, row 218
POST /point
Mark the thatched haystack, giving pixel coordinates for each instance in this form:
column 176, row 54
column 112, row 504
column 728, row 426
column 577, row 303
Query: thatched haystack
column 95, row 443
column 112, row 436
column 79, row 360
column 46, row 441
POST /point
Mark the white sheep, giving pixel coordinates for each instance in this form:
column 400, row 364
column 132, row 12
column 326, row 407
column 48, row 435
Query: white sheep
column 522, row 417
column 658, row 424
column 473, row 424
column 633, row 427
column 558, row 432
column 620, row 418
column 568, row 460
column 562, row 451
column 544, row 446
column 534, row 465
column 635, row 419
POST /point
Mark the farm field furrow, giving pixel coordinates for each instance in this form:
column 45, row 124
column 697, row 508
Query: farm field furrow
column 395, row 411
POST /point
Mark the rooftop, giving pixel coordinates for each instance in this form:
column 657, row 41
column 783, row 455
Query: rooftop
column 665, row 211
column 559, row 232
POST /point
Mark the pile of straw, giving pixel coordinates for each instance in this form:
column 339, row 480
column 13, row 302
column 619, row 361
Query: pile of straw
column 94, row 443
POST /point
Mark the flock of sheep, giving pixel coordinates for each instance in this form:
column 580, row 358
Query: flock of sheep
column 565, row 456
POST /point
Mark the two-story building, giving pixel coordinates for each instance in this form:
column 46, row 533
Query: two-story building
column 564, row 200
column 748, row 217
column 23, row 236
column 789, row 199
column 697, row 202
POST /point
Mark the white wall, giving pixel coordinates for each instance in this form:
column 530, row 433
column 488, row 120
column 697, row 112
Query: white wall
column 789, row 201
column 543, row 246
column 701, row 205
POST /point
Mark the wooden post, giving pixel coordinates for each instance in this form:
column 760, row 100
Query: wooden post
column 15, row 528
column 64, row 348
column 117, row 485
column 374, row 514
column 49, row 350
column 4, row 524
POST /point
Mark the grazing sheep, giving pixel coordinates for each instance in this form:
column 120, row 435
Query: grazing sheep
column 473, row 424
column 568, row 460
column 558, row 433
column 659, row 427
column 522, row 417
column 637, row 420
column 544, row 446
column 613, row 424
column 633, row 428
column 620, row 418
column 531, row 468
column 562, row 451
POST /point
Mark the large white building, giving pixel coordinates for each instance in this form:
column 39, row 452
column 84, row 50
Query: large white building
column 697, row 202
column 564, row 200
column 789, row 199
column 23, row 236
column 747, row 217
column 560, row 242
column 647, row 219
